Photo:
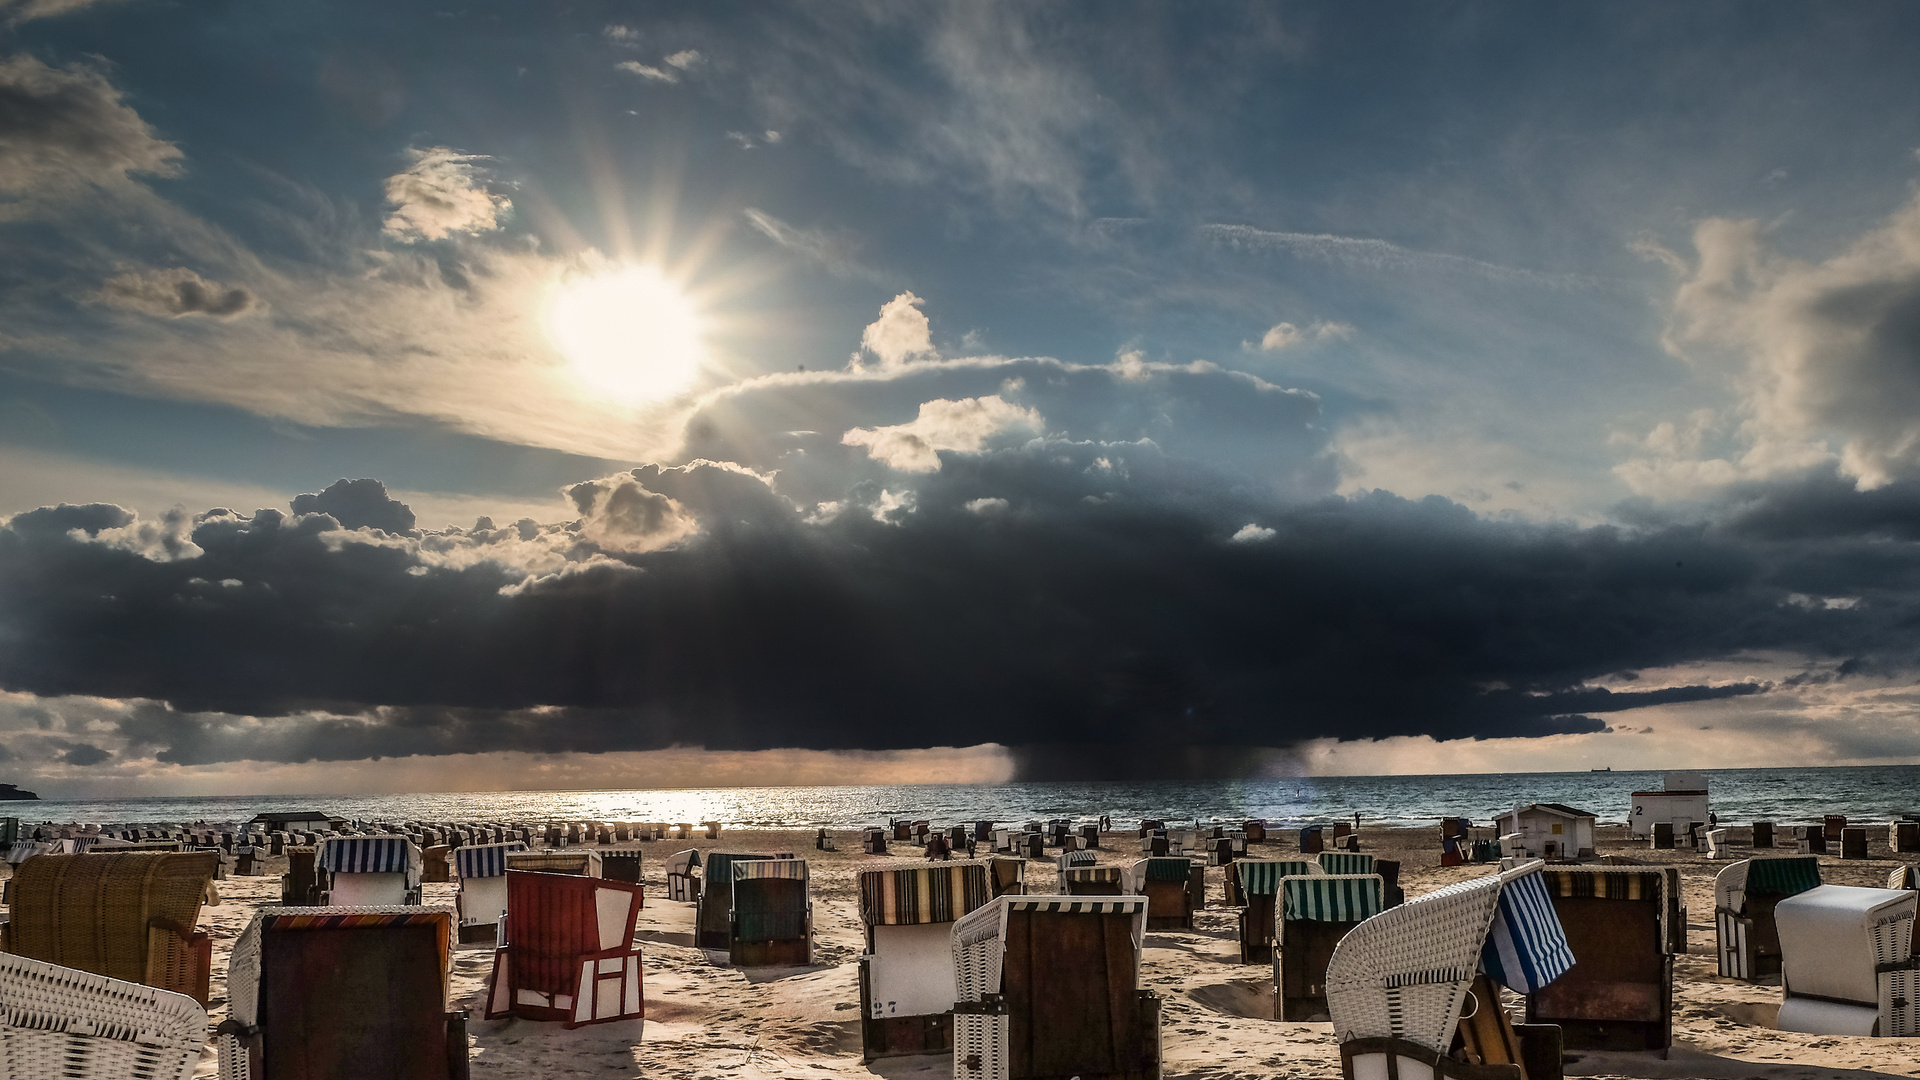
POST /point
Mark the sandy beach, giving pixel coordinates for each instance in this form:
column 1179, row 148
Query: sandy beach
column 706, row 1020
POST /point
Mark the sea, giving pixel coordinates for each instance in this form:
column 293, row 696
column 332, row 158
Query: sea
column 1786, row 795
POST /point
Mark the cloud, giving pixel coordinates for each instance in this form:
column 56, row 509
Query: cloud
column 1824, row 354
column 62, row 129
column 19, row 11
column 685, row 59
column 900, row 334
column 1252, row 534
column 1286, row 335
column 836, row 255
column 964, row 426
column 625, row 35
column 175, row 293
column 1367, row 253
column 647, row 71
column 357, row 504
column 440, row 194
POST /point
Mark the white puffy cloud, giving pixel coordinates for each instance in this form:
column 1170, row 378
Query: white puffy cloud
column 1824, row 354
column 647, row 71
column 440, row 194
column 1286, row 335
column 1252, row 534
column 965, row 425
column 901, row 333
column 685, row 59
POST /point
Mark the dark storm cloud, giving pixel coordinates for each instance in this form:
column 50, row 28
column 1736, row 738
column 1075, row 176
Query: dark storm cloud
column 1100, row 604
column 358, row 504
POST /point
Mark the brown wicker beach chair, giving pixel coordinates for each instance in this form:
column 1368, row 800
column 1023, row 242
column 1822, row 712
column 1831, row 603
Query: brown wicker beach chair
column 125, row 915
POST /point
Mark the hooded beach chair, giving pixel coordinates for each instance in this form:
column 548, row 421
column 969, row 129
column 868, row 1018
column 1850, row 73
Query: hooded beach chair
column 1399, row 984
column 683, row 881
column 1252, row 885
column 482, row 898
column 370, row 871
column 1049, row 986
column 1093, row 881
column 1744, row 897
column 1618, row 921
column 906, row 977
column 125, row 915
column 319, row 993
column 1007, row 875
column 772, row 920
column 713, row 926
column 1847, row 964
column 568, row 953
column 1168, row 885
column 1345, row 862
column 1313, row 912
column 62, row 1022
column 1068, row 860
column 1904, row 877
column 578, row 862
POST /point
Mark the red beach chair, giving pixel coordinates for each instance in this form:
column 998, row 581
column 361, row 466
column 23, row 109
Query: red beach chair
column 569, row 952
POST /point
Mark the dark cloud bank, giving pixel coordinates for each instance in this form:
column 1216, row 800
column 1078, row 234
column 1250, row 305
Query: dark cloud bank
column 1097, row 603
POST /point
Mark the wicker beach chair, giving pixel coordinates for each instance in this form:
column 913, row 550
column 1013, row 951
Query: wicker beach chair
column 1252, row 885
column 713, row 926
column 568, row 953
column 1399, row 983
column 482, row 898
column 1168, row 886
column 322, row 992
column 771, row 923
column 1847, row 963
column 370, row 871
column 1048, row 986
column 1904, row 877
column 62, row 1022
column 1093, row 881
column 1313, row 912
column 1068, row 860
column 1007, row 875
column 683, row 879
column 1744, row 897
column 127, row 915
column 906, row 976
column 1345, row 862
column 1618, row 922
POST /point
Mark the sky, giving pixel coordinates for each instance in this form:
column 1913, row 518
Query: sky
column 399, row 397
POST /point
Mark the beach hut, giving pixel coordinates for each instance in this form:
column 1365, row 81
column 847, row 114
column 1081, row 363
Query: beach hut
column 125, row 915
column 1312, row 913
column 772, row 917
column 569, row 953
column 1049, row 986
column 1252, row 885
column 906, row 975
column 482, row 898
column 1745, row 895
column 370, row 871
column 1847, row 964
column 1619, row 996
column 1168, row 886
column 713, row 927
column 683, row 880
column 1682, row 804
column 292, row 821
column 1547, row 831
column 63, row 1022
column 327, row 991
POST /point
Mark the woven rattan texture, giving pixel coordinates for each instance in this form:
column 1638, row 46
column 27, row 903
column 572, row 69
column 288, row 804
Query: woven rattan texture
column 94, row 912
column 62, row 1022
column 1404, row 973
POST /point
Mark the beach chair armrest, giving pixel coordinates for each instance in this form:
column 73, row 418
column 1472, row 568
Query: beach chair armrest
column 238, row 1048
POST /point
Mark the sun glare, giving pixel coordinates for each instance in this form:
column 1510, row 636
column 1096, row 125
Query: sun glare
column 629, row 334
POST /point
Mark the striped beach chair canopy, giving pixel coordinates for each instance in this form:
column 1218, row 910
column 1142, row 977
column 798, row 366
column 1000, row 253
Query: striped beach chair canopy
column 1165, row 869
column 761, row 869
column 921, row 894
column 1095, row 875
column 978, row 937
column 1777, row 878
column 1082, row 857
column 371, row 855
column 484, row 860
column 1346, row 862
column 1331, row 898
column 23, row 850
column 1527, row 948
column 1261, row 877
column 582, row 861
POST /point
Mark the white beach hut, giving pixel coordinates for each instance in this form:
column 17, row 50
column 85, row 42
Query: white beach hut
column 1548, row 831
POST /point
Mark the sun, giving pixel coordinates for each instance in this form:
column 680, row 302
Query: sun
column 628, row 334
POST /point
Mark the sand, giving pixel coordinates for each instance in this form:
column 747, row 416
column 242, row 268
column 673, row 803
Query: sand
column 707, row 1021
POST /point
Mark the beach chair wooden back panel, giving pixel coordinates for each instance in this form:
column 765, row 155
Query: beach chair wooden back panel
column 1313, row 913
column 125, row 915
column 365, row 1002
column 714, row 929
column 1069, row 980
column 1619, row 995
column 772, row 921
column 569, row 953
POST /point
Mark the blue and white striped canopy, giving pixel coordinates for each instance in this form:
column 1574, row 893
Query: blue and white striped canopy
column 484, row 860
column 1527, row 948
column 368, row 855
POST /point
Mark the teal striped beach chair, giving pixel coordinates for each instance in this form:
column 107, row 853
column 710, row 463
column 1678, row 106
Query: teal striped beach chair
column 1313, row 913
column 1174, row 888
column 1251, row 887
column 1744, row 896
column 1346, row 862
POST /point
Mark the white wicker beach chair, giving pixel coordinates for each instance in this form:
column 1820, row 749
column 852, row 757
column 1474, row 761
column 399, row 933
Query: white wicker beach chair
column 482, row 898
column 371, row 871
column 60, row 1022
column 1847, row 964
column 683, row 879
column 1398, row 983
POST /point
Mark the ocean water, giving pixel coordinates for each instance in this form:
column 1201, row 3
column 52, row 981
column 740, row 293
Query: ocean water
column 1873, row 793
